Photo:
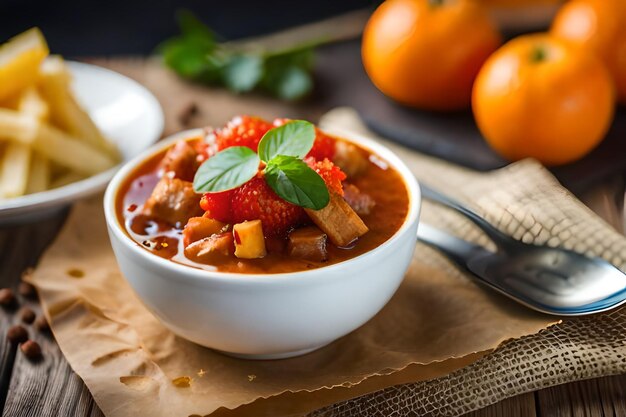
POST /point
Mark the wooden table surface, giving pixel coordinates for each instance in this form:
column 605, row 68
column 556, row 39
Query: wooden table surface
column 51, row 388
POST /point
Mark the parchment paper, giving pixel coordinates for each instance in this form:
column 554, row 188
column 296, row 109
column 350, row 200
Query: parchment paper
column 438, row 321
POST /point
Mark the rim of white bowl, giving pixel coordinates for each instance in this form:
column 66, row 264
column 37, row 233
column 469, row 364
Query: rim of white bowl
column 185, row 272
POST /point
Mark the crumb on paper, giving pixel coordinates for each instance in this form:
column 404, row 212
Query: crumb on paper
column 76, row 273
column 201, row 372
column 137, row 382
column 182, row 382
column 251, row 378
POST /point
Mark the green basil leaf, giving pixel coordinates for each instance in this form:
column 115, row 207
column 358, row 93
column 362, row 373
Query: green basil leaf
column 243, row 73
column 226, row 170
column 294, row 138
column 294, row 181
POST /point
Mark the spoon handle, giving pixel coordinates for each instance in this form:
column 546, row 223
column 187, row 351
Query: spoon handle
column 460, row 251
column 501, row 240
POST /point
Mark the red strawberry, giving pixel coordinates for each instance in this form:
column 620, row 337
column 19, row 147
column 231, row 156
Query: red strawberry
column 242, row 131
column 217, row 205
column 332, row 175
column 323, row 147
column 256, row 200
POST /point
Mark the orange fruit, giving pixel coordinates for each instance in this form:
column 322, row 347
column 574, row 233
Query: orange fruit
column 541, row 97
column 598, row 25
column 426, row 53
column 518, row 3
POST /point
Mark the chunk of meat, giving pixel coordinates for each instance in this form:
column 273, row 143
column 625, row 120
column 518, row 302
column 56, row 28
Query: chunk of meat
column 360, row 202
column 173, row 201
column 339, row 221
column 182, row 160
column 200, row 227
column 212, row 249
column 308, row 243
column 350, row 159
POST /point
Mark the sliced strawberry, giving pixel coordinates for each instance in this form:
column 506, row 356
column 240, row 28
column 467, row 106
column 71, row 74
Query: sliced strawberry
column 217, row 206
column 323, row 147
column 256, row 200
column 242, row 131
column 332, row 175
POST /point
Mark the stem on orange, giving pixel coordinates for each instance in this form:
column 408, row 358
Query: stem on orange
column 538, row 54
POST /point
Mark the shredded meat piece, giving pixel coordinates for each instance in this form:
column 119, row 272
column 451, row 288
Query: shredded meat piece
column 360, row 202
column 173, row 201
column 182, row 160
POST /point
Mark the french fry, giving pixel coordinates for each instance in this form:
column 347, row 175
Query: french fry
column 18, row 127
column 14, row 169
column 39, row 174
column 20, row 59
column 47, row 140
column 71, row 152
column 66, row 112
column 31, row 103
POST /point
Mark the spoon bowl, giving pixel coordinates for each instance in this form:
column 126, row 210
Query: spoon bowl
column 548, row 279
column 553, row 279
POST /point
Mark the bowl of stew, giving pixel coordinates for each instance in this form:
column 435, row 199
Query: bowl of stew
column 247, row 272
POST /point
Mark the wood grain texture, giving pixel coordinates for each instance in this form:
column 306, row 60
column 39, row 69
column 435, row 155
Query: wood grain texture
column 47, row 387
column 604, row 397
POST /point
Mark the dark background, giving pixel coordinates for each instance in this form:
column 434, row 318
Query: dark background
column 114, row 27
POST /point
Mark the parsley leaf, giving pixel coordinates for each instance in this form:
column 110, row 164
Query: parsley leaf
column 243, row 72
column 197, row 54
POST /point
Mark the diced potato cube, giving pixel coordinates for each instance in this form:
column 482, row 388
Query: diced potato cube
column 308, row 243
column 350, row 159
column 249, row 240
column 200, row 227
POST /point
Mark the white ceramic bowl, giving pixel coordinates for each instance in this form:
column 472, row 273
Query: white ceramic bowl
column 266, row 316
column 125, row 111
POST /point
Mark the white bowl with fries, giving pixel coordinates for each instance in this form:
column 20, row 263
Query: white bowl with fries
column 64, row 128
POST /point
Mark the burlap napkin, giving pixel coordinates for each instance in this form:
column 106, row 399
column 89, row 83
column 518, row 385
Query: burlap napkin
column 438, row 322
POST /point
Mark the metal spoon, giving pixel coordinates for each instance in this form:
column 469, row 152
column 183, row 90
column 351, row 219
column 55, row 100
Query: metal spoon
column 551, row 280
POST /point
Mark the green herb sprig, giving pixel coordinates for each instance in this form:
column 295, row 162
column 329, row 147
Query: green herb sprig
column 281, row 151
column 197, row 55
